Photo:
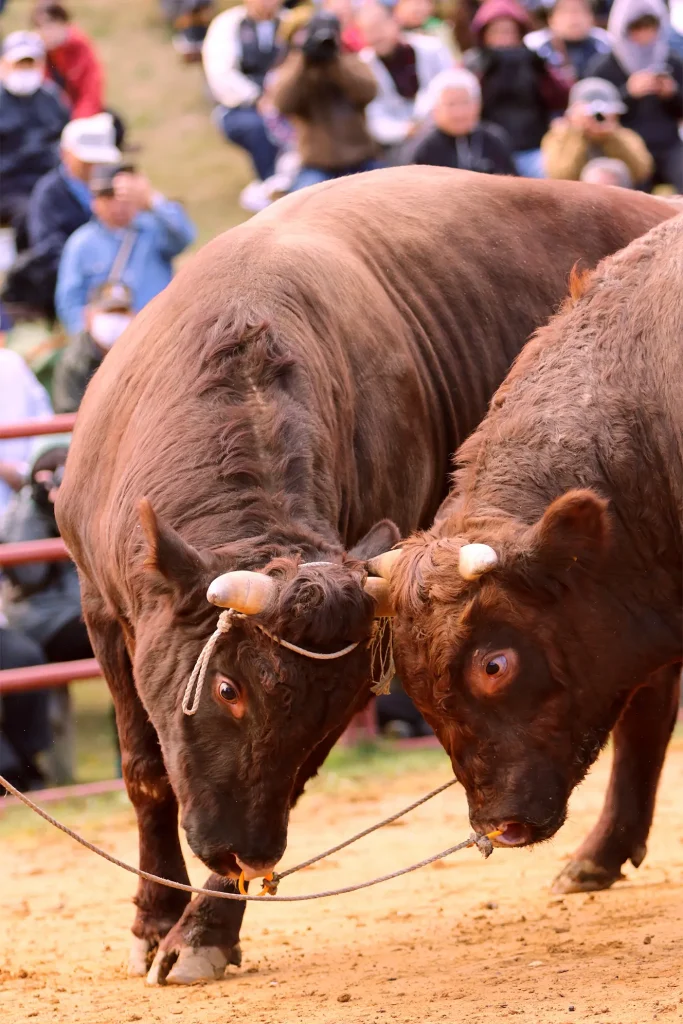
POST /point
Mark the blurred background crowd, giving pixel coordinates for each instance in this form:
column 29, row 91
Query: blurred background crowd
column 298, row 93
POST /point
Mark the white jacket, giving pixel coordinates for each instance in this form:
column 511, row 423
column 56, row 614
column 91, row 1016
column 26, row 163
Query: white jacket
column 390, row 116
column 221, row 56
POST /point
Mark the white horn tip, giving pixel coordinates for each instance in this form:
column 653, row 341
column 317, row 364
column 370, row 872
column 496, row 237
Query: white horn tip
column 476, row 559
column 214, row 591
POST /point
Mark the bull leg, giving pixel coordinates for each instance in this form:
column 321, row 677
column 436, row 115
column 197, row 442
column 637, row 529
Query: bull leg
column 640, row 737
column 158, row 907
column 203, row 942
column 206, row 938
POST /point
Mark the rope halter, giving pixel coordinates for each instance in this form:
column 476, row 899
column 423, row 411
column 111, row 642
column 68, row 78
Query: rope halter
column 381, row 651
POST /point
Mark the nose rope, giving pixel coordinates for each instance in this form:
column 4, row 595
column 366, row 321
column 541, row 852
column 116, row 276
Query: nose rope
column 379, row 650
column 196, row 680
column 382, row 651
column 270, row 883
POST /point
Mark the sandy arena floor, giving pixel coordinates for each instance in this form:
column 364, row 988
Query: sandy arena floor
column 464, row 942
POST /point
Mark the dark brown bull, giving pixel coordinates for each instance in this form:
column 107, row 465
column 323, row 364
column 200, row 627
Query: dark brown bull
column 305, row 376
column 544, row 608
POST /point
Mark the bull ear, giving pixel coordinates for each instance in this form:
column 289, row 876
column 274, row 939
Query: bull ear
column 382, row 536
column 169, row 557
column 574, row 527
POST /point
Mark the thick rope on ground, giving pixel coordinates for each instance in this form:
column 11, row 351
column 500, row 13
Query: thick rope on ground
column 483, row 843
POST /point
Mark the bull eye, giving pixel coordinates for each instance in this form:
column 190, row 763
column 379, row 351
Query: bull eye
column 496, row 665
column 489, row 672
column 228, row 692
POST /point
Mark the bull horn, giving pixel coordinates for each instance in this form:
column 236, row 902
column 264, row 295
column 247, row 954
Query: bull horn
column 379, row 590
column 383, row 565
column 476, row 559
column 246, row 592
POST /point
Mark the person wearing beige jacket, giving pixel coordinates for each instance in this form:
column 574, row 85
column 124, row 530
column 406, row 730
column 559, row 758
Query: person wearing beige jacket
column 591, row 129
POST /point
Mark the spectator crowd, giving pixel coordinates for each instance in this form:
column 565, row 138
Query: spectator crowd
column 587, row 90
column 501, row 87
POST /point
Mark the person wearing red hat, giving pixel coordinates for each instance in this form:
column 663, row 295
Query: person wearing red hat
column 520, row 93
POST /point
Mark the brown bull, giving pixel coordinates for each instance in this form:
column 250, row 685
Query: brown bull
column 303, row 380
column 544, row 608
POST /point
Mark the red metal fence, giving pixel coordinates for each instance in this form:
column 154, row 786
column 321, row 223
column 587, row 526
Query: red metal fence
column 52, row 550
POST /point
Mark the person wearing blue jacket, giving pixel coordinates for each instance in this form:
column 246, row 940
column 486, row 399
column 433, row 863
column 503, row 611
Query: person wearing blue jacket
column 133, row 239
column 32, row 117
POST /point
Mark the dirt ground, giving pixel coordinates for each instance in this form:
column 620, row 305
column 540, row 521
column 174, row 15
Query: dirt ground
column 463, row 942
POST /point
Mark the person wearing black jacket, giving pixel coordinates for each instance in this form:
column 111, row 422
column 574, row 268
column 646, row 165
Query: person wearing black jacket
column 649, row 76
column 24, row 716
column 460, row 139
column 520, row 92
column 32, row 117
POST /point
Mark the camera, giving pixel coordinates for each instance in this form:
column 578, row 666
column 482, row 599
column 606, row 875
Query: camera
column 598, row 111
column 323, row 39
column 47, row 477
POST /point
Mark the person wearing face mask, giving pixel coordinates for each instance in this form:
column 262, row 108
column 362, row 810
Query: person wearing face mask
column 133, row 238
column 520, row 92
column 649, row 77
column 32, row 117
column 107, row 315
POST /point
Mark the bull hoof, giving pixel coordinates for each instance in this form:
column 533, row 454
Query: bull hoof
column 584, row 876
column 188, row 966
column 140, row 957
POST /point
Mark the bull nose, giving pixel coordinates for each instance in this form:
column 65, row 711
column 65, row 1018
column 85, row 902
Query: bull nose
column 256, row 870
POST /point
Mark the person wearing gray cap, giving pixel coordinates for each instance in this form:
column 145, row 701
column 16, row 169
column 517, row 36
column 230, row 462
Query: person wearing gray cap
column 132, row 239
column 32, row 117
column 590, row 129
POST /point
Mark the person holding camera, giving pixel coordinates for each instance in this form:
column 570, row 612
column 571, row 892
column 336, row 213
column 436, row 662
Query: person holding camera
column 325, row 93
column 649, row 77
column 459, row 138
column 133, row 238
column 591, row 129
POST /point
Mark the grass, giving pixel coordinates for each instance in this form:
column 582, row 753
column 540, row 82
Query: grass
column 95, row 747
column 165, row 105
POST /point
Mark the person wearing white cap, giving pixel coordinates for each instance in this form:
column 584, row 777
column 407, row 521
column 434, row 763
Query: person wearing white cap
column 58, row 206
column 32, row 117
